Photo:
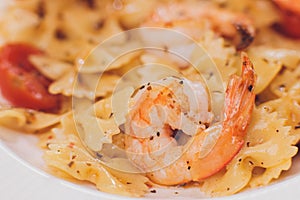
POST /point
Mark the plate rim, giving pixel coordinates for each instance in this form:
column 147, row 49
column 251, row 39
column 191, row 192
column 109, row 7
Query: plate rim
column 11, row 163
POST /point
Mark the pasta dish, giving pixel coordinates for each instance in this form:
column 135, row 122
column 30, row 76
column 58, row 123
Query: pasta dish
column 131, row 95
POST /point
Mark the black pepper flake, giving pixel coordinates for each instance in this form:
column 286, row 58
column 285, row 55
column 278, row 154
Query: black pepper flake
column 78, row 172
column 41, row 11
column 176, row 193
column 30, row 116
column 265, row 108
column 210, row 75
column 111, row 114
column 60, row 34
column 149, row 88
column 128, row 183
column 282, row 86
column 297, row 127
column 73, row 157
column 250, row 162
column 181, row 82
column 257, row 98
column 248, row 144
column 187, row 162
column 189, row 167
column 71, row 164
column 99, row 155
column 99, row 24
column 227, row 63
column 282, row 70
column 153, row 191
column 206, row 125
column 240, row 160
column 277, row 130
column 265, row 60
column 250, row 88
column 151, row 138
column 142, row 87
column 148, row 83
column 228, row 189
column 158, row 134
column 90, row 3
column 262, row 163
column 88, row 164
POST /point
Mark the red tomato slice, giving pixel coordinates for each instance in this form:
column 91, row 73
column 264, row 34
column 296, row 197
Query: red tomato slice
column 21, row 83
column 291, row 24
column 290, row 14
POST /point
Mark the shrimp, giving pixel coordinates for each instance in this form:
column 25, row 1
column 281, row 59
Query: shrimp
column 161, row 114
column 290, row 13
column 189, row 17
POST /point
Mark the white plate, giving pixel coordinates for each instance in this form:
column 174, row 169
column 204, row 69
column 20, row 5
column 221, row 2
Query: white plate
column 22, row 178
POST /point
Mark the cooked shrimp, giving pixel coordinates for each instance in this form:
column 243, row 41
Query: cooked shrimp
column 290, row 13
column 165, row 109
column 188, row 17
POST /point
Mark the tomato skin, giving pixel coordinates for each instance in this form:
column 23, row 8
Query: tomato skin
column 290, row 15
column 291, row 24
column 21, row 83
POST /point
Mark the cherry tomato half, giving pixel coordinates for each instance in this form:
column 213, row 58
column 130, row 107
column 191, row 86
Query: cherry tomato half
column 290, row 14
column 21, row 83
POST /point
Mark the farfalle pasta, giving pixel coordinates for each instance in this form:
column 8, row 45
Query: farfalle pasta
column 68, row 32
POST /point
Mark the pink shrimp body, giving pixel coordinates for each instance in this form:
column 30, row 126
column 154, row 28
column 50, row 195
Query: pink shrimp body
column 163, row 109
column 189, row 18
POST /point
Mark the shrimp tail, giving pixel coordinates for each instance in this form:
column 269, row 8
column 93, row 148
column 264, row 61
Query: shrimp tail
column 240, row 97
column 238, row 106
